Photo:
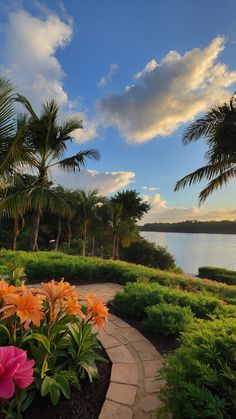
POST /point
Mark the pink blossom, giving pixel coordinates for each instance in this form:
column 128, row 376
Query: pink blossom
column 14, row 370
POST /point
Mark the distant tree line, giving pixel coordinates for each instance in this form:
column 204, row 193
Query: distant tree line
column 193, row 226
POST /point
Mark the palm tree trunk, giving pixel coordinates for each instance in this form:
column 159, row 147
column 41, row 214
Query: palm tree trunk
column 58, row 235
column 69, row 234
column 93, row 246
column 116, row 248
column 34, row 231
column 85, row 237
column 15, row 233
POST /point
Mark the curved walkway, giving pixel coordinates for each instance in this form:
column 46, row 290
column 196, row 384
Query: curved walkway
column 133, row 391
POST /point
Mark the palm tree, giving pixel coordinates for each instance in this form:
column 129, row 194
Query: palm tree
column 123, row 229
column 218, row 126
column 87, row 202
column 44, row 140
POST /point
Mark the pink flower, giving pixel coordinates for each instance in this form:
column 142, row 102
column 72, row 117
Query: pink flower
column 14, row 370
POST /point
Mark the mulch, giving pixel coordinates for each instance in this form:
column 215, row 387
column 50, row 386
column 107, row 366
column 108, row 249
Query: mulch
column 83, row 404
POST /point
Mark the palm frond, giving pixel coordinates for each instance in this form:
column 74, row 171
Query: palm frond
column 6, row 109
column 78, row 160
column 217, row 183
column 205, row 172
column 27, row 105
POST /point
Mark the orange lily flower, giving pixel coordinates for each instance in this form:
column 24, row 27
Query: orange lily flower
column 58, row 290
column 5, row 288
column 73, row 307
column 97, row 310
column 27, row 307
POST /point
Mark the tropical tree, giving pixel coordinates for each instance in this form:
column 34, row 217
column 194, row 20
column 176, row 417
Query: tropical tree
column 124, row 230
column 218, row 127
column 45, row 142
column 134, row 207
column 87, row 202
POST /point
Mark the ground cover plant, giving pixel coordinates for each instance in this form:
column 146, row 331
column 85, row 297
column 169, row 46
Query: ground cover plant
column 46, row 343
column 55, row 265
column 201, row 373
column 218, row 274
column 168, row 319
column 138, row 296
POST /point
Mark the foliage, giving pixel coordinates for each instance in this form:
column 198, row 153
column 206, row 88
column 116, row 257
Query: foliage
column 218, row 274
column 137, row 297
column 168, row 319
column 218, row 128
column 148, row 254
column 133, row 205
column 56, row 331
column 48, row 265
column 201, row 373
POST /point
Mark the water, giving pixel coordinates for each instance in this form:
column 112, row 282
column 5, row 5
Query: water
column 192, row 250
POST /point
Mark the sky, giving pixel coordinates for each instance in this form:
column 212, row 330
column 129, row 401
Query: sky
column 137, row 72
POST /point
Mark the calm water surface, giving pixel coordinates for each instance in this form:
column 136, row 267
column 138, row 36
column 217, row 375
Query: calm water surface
column 193, row 250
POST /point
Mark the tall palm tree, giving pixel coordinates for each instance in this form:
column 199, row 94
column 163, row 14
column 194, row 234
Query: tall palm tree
column 218, row 126
column 87, row 202
column 45, row 141
column 123, row 228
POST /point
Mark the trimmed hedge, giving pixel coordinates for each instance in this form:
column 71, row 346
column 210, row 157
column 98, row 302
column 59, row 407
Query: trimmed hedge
column 41, row 266
column 137, row 297
column 201, row 373
column 218, row 274
column 168, row 319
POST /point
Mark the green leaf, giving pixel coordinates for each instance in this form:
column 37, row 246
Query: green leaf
column 5, row 330
column 64, row 385
column 46, row 386
column 55, row 394
column 74, row 330
column 42, row 339
column 90, row 368
column 28, row 400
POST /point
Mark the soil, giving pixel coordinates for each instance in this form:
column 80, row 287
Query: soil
column 163, row 344
column 83, row 404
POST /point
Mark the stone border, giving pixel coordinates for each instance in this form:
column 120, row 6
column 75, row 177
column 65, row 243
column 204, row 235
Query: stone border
column 133, row 391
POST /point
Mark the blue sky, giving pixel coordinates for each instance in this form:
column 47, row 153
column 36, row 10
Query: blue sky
column 111, row 62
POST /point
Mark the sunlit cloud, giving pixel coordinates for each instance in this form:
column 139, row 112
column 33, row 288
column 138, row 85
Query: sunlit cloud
column 168, row 94
column 162, row 212
column 105, row 182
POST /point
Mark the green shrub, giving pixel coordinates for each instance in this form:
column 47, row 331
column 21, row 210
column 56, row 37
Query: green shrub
column 218, row 274
column 137, row 297
column 41, row 266
column 148, row 254
column 201, row 373
column 168, row 319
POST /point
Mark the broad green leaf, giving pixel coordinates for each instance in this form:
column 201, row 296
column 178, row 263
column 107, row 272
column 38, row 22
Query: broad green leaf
column 64, row 385
column 46, row 386
column 55, row 394
column 42, row 339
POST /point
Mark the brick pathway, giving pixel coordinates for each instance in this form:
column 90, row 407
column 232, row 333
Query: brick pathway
column 133, row 391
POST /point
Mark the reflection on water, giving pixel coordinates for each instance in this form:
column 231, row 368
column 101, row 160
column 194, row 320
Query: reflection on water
column 194, row 250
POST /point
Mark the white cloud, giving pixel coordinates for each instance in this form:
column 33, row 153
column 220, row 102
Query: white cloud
column 168, row 94
column 150, row 188
column 89, row 130
column 107, row 78
column 31, row 44
column 105, row 182
column 161, row 212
